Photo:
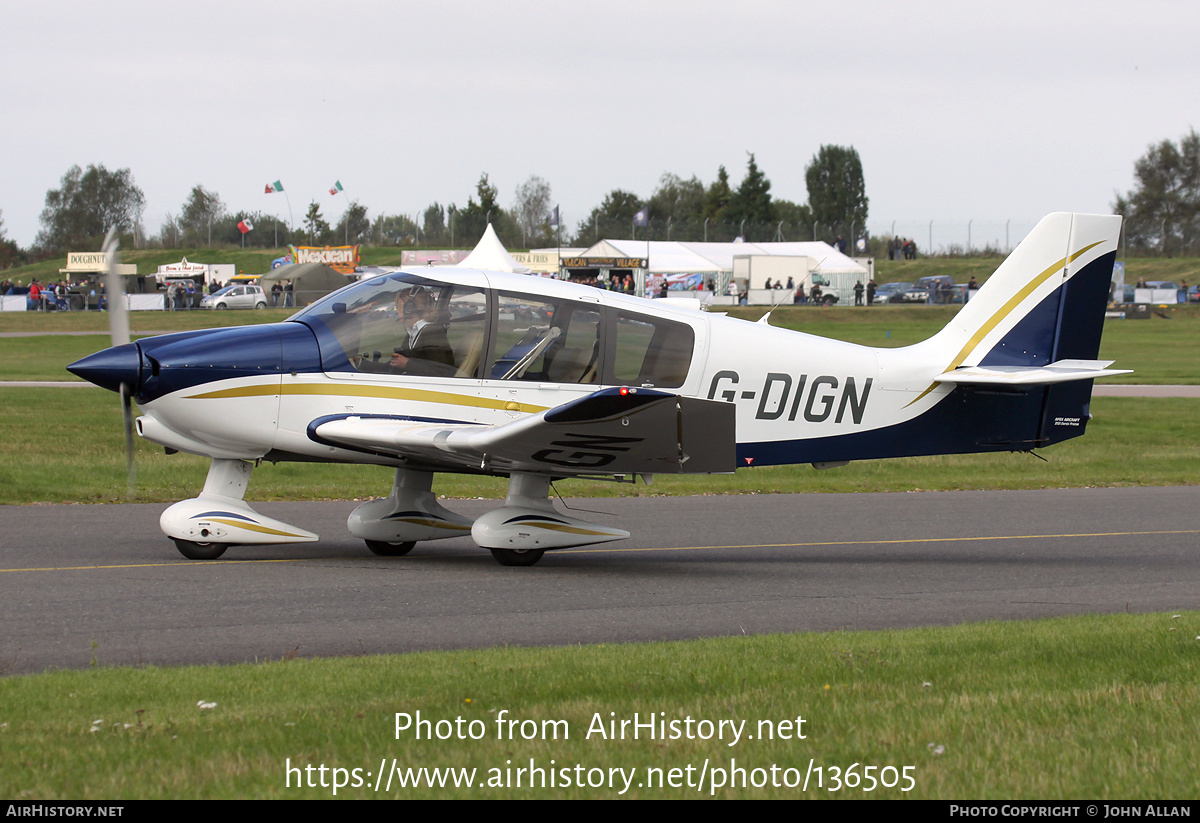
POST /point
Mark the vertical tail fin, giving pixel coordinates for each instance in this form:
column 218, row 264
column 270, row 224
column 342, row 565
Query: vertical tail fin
column 1046, row 301
column 1043, row 307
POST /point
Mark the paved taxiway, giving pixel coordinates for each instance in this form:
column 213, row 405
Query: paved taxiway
column 78, row 582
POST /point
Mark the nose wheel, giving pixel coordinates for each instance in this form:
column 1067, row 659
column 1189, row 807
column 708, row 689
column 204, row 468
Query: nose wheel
column 385, row 549
column 200, row 551
column 517, row 557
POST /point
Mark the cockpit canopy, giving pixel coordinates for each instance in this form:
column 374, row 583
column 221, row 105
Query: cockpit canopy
column 468, row 326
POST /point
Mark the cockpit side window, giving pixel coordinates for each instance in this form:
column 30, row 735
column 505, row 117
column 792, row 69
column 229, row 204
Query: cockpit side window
column 542, row 339
column 651, row 351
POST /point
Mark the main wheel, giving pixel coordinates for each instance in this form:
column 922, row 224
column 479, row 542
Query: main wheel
column 384, row 549
column 200, row 551
column 517, row 557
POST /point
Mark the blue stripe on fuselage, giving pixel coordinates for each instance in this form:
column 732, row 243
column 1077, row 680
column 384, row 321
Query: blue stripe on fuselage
column 173, row 362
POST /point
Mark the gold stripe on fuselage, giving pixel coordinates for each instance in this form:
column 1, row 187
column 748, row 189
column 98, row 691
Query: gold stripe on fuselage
column 385, row 392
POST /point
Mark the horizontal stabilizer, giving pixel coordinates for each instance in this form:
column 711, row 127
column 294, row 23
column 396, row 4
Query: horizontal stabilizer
column 1061, row 371
column 611, row 431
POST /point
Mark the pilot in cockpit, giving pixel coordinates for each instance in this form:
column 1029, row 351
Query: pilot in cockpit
column 425, row 349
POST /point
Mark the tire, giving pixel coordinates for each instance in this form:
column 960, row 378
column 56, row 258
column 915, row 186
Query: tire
column 221, row 307
column 259, row 305
column 515, row 557
column 384, row 549
column 200, row 551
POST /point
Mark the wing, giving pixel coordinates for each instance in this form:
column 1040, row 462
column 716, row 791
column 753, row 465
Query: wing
column 611, row 431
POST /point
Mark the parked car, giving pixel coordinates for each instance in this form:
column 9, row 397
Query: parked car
column 891, row 292
column 938, row 288
column 236, row 297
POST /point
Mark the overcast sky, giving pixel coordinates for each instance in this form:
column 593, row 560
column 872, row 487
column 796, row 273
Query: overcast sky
column 983, row 111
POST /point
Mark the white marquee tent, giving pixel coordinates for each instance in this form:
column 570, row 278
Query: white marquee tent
column 489, row 254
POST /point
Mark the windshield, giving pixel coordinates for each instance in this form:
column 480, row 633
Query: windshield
column 407, row 323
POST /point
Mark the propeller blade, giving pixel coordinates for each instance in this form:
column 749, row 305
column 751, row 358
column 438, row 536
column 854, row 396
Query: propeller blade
column 130, row 462
column 118, row 326
column 118, row 317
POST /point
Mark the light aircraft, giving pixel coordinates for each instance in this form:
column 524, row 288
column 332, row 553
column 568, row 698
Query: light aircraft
column 452, row 370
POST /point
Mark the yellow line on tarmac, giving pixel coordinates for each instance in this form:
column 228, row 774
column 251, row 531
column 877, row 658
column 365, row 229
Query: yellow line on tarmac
column 179, row 562
column 884, row 542
column 605, row 548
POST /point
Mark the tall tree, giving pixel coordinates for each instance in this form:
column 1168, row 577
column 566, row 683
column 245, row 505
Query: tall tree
column 1162, row 211
column 796, row 218
column 354, row 227
column 473, row 220
column 9, row 253
column 531, row 210
column 612, row 218
column 88, row 204
column 200, row 216
column 677, row 208
column 716, row 199
column 836, row 192
column 169, row 234
column 751, row 204
column 434, row 224
column 394, row 230
column 315, row 225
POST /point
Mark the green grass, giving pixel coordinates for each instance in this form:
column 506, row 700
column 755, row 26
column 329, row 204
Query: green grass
column 1094, row 707
column 75, row 452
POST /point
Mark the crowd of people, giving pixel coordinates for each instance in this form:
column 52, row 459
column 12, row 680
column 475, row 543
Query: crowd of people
column 65, row 295
column 41, row 296
column 901, row 248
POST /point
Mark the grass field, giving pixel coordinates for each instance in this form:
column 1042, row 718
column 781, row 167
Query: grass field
column 1086, row 707
column 65, row 445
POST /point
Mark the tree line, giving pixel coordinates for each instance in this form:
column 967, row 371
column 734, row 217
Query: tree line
column 89, row 201
column 1162, row 212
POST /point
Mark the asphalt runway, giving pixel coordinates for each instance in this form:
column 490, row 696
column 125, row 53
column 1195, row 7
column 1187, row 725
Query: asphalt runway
column 83, row 584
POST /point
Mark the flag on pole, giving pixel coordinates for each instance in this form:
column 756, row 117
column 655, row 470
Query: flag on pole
column 336, row 187
column 553, row 218
column 244, row 226
column 276, row 186
column 642, row 218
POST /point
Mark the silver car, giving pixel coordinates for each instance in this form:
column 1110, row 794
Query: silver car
column 236, row 297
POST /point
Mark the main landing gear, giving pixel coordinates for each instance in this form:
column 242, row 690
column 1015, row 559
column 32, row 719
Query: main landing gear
column 517, row 534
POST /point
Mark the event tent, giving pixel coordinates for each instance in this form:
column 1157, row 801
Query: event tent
column 489, row 254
